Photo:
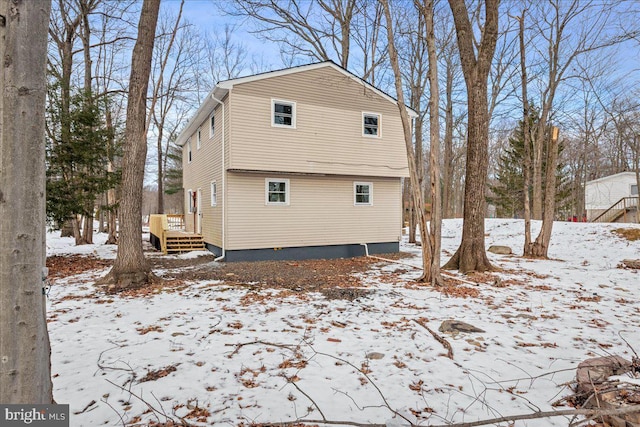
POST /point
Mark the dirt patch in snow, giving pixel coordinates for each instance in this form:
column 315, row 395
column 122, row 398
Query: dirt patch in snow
column 70, row 265
column 337, row 278
column 631, row 234
column 298, row 276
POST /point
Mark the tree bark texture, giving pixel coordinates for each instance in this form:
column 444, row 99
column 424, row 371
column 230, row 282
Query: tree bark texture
column 435, row 225
column 471, row 255
column 526, row 167
column 25, row 367
column 447, row 175
column 540, row 247
column 130, row 268
column 112, row 239
column 416, row 190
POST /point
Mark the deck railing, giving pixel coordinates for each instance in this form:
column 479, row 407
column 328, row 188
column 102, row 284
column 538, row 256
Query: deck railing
column 175, row 221
column 160, row 224
column 618, row 209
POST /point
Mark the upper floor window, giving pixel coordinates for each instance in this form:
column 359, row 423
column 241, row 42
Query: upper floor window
column 189, row 150
column 277, row 191
column 634, row 189
column 283, row 113
column 363, row 193
column 371, row 124
column 198, row 139
column 212, row 126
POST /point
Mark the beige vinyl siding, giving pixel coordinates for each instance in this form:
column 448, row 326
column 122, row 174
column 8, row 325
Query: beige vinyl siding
column 206, row 166
column 328, row 135
column 321, row 211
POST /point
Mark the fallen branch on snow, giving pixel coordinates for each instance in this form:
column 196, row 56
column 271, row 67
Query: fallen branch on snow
column 439, row 338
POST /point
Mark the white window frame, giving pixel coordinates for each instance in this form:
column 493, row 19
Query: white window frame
column 286, row 191
column 379, row 126
column 198, row 138
column 214, row 193
column 273, row 113
column 190, row 205
column 212, row 125
column 189, row 153
column 355, row 193
column 631, row 189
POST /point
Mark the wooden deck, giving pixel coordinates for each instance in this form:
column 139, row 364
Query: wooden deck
column 168, row 235
column 178, row 241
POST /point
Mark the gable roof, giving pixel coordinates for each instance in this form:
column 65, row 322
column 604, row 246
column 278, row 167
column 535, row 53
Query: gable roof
column 222, row 88
column 609, row 177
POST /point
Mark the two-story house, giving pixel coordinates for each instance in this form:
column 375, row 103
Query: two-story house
column 305, row 162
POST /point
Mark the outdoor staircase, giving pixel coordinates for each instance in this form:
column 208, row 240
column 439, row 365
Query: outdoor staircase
column 184, row 242
column 619, row 209
column 167, row 233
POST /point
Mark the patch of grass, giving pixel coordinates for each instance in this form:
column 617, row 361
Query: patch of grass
column 631, row 234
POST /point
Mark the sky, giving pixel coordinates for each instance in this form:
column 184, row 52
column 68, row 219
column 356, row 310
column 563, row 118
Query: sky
column 209, row 15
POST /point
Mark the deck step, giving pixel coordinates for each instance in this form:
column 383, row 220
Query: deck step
column 185, row 243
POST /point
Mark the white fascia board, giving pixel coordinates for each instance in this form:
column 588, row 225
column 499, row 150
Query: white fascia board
column 203, row 112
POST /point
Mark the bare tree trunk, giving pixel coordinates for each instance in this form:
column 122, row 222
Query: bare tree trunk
column 25, row 375
column 77, row 232
column 87, row 232
column 434, row 142
column 447, row 175
column 416, row 189
column 526, row 167
column 636, row 163
column 112, row 237
column 102, row 227
column 86, row 6
column 131, row 268
column 471, row 255
column 160, row 148
column 342, row 13
column 541, row 246
column 413, row 218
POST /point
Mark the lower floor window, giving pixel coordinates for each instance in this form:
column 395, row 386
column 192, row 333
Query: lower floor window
column 214, row 193
column 362, row 192
column 191, row 200
column 277, row 191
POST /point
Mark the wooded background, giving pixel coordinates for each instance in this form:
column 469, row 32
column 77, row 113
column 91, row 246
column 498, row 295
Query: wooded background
column 581, row 60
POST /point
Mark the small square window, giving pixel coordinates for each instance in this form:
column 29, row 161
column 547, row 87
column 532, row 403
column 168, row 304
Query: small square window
column 371, row 124
column 198, row 139
column 214, row 193
column 362, row 193
column 212, row 126
column 283, row 113
column 277, row 191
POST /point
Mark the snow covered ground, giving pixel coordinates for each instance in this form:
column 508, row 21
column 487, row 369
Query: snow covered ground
column 229, row 355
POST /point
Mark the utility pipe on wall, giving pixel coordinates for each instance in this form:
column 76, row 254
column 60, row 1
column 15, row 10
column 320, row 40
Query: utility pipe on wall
column 224, row 183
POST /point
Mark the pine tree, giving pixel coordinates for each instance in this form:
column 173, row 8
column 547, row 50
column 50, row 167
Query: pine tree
column 173, row 171
column 507, row 192
column 76, row 167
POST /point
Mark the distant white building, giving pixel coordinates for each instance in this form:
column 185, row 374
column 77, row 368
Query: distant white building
column 615, row 197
